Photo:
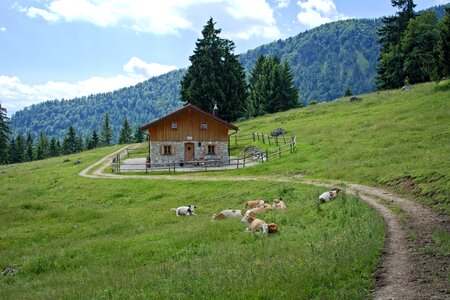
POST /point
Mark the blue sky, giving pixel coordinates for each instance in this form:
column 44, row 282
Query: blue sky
column 54, row 49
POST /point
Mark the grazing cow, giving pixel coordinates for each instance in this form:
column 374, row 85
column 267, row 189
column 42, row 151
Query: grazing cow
column 328, row 196
column 254, row 203
column 185, row 210
column 256, row 225
column 278, row 204
column 228, row 213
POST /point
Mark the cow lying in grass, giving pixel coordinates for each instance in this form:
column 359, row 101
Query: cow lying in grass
column 228, row 213
column 330, row 195
column 185, row 210
column 257, row 225
column 278, row 204
column 258, row 210
column 254, row 203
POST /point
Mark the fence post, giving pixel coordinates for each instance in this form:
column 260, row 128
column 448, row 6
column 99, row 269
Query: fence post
column 276, row 140
column 269, row 140
column 257, row 135
column 237, row 164
column 264, row 141
column 267, row 155
column 284, row 139
column 253, row 136
column 243, row 164
column 279, row 150
column 262, row 156
column 235, row 139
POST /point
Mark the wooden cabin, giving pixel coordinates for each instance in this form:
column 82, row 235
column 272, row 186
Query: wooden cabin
column 187, row 136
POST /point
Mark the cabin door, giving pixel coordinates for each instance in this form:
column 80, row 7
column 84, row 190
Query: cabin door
column 188, row 152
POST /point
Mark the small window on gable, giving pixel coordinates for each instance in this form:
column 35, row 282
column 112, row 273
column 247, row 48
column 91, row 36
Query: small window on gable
column 211, row 149
column 203, row 126
column 174, row 126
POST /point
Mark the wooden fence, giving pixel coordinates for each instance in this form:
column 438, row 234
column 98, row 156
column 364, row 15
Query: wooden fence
column 281, row 145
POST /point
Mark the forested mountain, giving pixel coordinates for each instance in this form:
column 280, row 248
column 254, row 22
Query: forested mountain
column 325, row 61
column 141, row 103
column 328, row 59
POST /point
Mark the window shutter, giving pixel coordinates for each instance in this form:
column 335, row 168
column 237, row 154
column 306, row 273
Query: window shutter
column 216, row 149
column 172, row 149
column 161, row 149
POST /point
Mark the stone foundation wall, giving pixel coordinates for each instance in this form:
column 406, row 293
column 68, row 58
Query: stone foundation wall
column 200, row 151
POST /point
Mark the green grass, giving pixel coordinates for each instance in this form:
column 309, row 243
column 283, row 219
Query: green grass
column 75, row 237
column 395, row 138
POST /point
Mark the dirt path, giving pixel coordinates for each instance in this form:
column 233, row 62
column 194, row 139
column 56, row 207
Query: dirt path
column 410, row 266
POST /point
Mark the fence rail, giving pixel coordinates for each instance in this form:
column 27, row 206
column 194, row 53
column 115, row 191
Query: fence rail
column 281, row 145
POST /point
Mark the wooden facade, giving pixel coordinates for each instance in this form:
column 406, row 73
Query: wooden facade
column 188, row 134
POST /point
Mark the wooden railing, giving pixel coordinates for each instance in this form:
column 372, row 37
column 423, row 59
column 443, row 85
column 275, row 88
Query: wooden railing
column 281, row 145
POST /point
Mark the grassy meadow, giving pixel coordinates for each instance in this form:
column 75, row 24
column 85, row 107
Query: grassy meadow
column 395, row 138
column 76, row 237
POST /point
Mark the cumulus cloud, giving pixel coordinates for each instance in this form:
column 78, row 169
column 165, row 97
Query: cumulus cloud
column 317, row 12
column 282, row 3
column 16, row 95
column 157, row 17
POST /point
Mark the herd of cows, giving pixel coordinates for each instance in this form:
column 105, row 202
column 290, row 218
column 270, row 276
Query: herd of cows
column 254, row 207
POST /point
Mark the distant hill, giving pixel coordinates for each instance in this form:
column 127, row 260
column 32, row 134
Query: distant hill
column 325, row 61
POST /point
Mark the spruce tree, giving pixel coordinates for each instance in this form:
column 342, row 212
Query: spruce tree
column 419, row 45
column 391, row 59
column 20, row 148
column 29, row 148
column 42, row 147
column 106, row 135
column 70, row 141
column 258, row 88
column 12, row 151
column 4, row 134
column 125, row 133
column 215, row 76
column 138, row 136
column 94, row 140
column 53, row 148
column 444, row 44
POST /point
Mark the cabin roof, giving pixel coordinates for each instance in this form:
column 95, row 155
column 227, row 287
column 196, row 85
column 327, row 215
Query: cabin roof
column 184, row 108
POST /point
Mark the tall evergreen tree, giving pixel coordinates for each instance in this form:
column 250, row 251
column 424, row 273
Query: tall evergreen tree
column 271, row 87
column 4, row 134
column 138, row 136
column 215, row 76
column 70, row 141
column 390, row 67
column 79, row 146
column 29, row 148
column 20, row 148
column 106, row 135
column 12, row 151
column 42, row 147
column 444, row 44
column 125, row 133
column 53, row 148
column 94, row 140
column 420, row 48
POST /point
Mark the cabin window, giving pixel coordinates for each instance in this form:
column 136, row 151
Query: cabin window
column 203, row 126
column 167, row 150
column 211, row 149
column 174, row 126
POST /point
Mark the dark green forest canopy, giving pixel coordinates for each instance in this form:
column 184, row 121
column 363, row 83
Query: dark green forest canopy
column 325, row 61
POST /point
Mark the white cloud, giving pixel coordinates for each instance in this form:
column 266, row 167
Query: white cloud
column 157, row 17
column 141, row 68
column 15, row 95
column 317, row 12
column 282, row 3
column 2, row 29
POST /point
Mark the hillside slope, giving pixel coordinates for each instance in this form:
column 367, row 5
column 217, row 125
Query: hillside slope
column 395, row 138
